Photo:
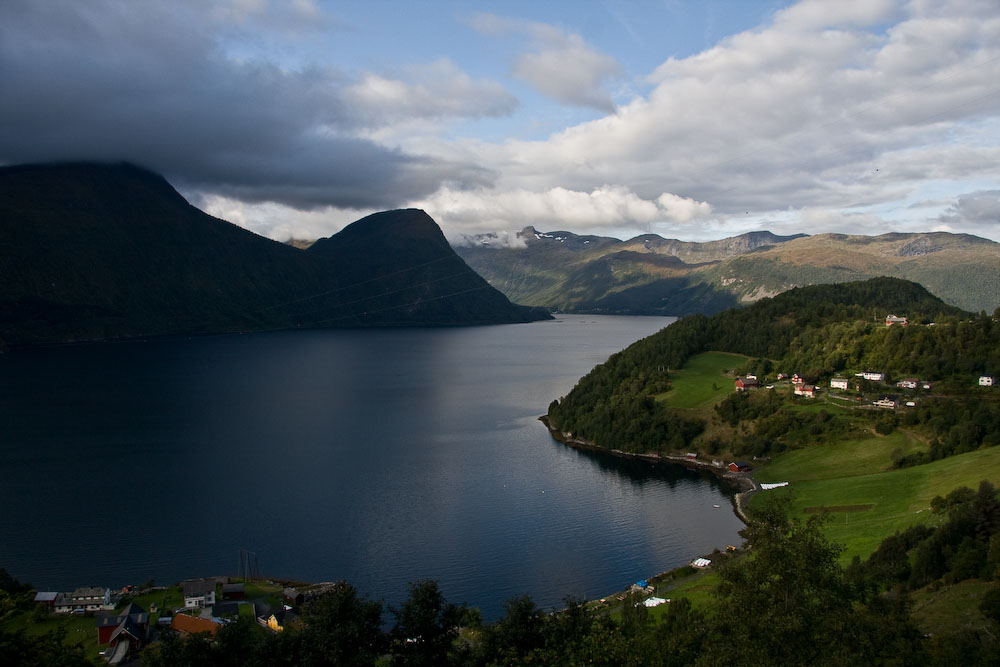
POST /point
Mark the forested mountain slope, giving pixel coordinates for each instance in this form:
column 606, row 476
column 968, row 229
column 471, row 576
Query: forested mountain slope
column 817, row 331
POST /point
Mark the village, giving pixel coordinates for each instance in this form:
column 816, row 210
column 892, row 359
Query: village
column 122, row 621
column 872, row 393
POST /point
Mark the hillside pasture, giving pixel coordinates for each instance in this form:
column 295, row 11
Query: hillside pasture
column 853, row 473
column 702, row 382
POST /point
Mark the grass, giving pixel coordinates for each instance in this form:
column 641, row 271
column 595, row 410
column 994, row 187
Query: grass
column 702, row 382
column 80, row 630
column 854, row 473
column 951, row 608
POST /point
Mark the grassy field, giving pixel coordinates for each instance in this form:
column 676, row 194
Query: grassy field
column 702, row 382
column 855, row 473
column 78, row 630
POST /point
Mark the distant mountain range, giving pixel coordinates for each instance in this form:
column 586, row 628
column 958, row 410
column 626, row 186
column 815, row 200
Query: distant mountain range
column 96, row 252
column 652, row 275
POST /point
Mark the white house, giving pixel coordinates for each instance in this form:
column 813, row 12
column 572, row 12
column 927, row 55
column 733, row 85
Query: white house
column 887, row 402
column 985, row 380
column 908, row 383
column 199, row 593
column 873, row 376
column 807, row 390
column 839, row 383
column 892, row 319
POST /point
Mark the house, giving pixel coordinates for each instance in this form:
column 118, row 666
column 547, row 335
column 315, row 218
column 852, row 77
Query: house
column 781, row 376
column 198, row 593
column 908, row 383
column 273, row 617
column 82, row 600
column 892, row 319
column 807, row 390
column 873, row 376
column 292, row 596
column 131, row 623
column 742, row 384
column 985, row 380
column 886, row 402
column 193, row 625
column 739, row 466
column 839, row 383
column 233, row 591
column 797, row 379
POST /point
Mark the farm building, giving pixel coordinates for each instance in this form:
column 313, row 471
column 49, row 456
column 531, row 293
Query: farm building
column 840, row 383
column 739, row 466
column 742, row 384
column 807, row 390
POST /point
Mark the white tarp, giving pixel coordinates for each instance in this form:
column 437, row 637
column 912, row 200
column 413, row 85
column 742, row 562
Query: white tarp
column 655, row 602
column 768, row 487
column 701, row 562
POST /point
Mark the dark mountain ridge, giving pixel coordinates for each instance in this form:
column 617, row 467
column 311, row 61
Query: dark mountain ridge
column 102, row 251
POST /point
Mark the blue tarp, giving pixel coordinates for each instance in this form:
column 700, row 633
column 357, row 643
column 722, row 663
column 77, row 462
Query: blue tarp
column 641, row 583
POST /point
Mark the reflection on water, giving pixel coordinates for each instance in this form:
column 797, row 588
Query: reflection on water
column 380, row 457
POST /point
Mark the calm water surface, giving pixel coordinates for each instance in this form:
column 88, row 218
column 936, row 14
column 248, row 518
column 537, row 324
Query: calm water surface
column 380, row 457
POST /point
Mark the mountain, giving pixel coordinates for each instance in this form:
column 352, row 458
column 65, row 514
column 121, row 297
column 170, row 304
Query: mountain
column 652, row 275
column 95, row 251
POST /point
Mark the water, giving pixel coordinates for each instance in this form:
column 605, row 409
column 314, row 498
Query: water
column 379, row 457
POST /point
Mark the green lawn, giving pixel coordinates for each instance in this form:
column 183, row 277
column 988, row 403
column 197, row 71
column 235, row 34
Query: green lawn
column 848, row 474
column 702, row 382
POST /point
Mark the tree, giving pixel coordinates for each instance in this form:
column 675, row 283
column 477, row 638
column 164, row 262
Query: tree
column 426, row 627
column 789, row 603
column 342, row 628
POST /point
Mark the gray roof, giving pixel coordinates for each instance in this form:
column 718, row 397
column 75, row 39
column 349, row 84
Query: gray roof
column 198, row 587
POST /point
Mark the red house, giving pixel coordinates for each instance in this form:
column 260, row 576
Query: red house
column 742, row 384
column 739, row 466
column 132, row 622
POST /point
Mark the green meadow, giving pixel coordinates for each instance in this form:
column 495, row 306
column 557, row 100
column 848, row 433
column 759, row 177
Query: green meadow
column 702, row 382
column 855, row 473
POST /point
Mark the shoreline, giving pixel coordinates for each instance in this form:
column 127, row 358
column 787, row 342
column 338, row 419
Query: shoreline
column 744, row 484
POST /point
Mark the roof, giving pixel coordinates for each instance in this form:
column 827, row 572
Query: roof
column 193, row 624
column 46, row 596
column 198, row 587
column 225, row 608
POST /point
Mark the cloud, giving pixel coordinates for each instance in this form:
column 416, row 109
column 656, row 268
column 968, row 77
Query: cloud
column 152, row 84
column 436, row 90
column 976, row 208
column 603, row 208
column 559, row 65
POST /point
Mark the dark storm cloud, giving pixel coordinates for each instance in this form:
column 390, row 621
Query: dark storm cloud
column 150, row 83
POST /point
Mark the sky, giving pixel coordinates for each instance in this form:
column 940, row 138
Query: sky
column 691, row 119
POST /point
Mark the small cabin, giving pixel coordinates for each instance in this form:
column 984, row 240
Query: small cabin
column 742, row 384
column 739, row 466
